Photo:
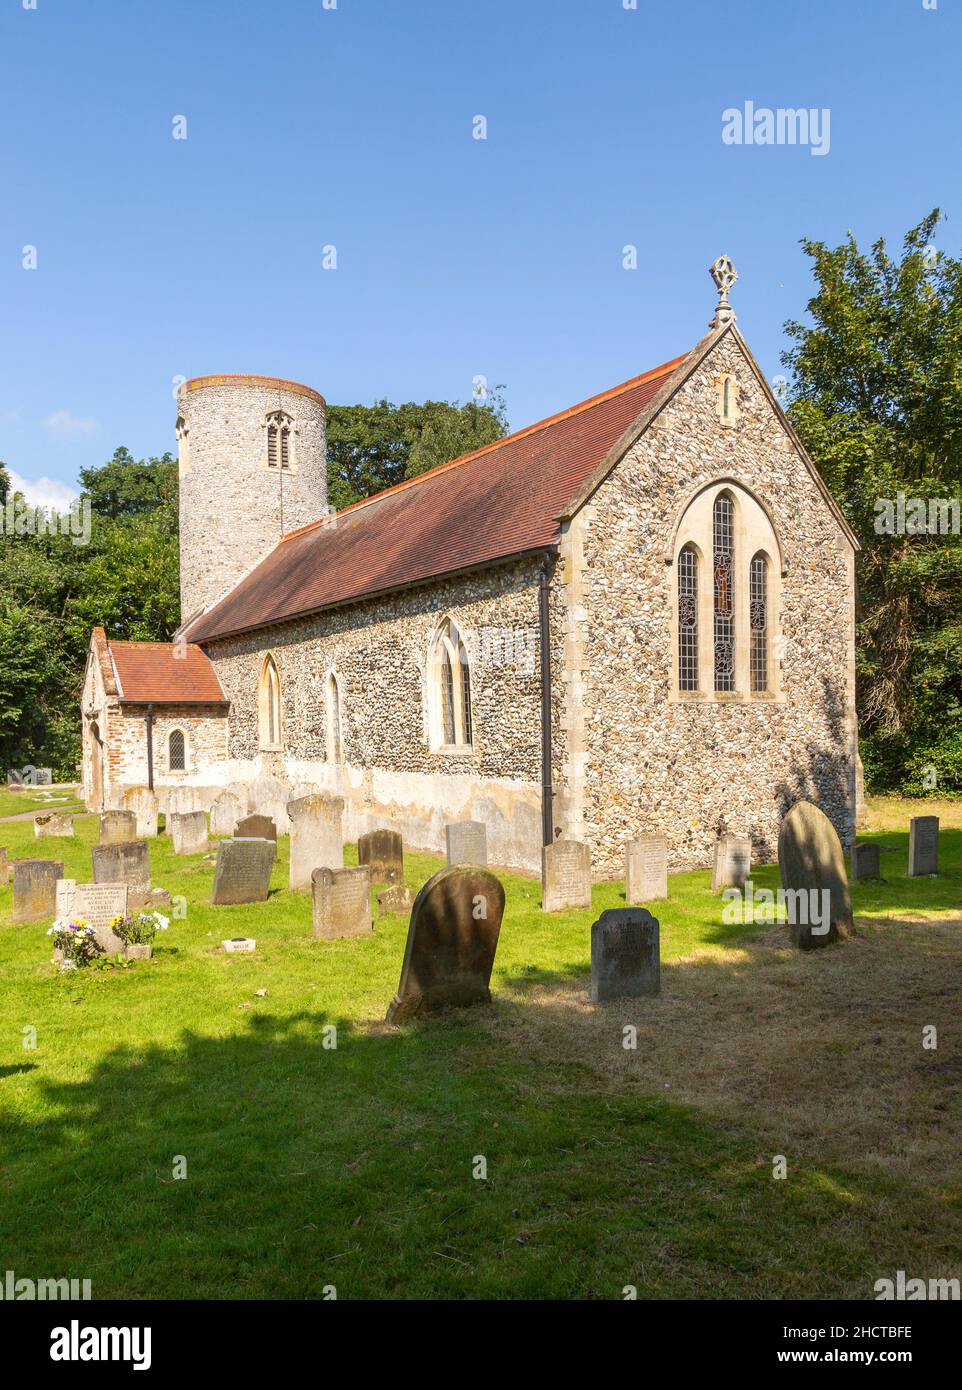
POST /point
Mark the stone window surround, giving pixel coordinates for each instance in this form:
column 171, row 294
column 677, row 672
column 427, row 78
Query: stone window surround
column 730, row 418
column 334, row 716
column 277, row 417
column 754, row 534
column 186, row 769
column 447, row 635
column 264, row 695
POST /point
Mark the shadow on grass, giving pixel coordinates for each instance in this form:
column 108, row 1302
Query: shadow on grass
column 309, row 1165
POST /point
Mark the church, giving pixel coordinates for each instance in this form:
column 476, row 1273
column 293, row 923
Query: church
column 636, row 616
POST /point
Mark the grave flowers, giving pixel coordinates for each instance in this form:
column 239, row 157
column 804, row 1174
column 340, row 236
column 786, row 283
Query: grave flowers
column 75, row 943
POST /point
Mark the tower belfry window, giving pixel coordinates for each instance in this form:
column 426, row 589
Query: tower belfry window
column 279, row 428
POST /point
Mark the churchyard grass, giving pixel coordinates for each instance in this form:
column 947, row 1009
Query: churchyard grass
column 308, row 1166
column 36, row 800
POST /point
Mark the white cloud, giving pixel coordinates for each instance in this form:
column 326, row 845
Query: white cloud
column 44, row 492
column 62, row 425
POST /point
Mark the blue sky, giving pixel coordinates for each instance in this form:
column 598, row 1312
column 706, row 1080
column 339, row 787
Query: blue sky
column 310, row 127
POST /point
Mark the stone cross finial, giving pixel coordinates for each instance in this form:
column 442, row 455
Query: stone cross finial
column 724, row 274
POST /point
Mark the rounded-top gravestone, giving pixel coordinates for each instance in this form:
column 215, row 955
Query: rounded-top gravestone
column 812, row 868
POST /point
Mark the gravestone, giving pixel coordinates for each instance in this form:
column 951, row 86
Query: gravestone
column 35, row 889
column 243, row 871
column 189, row 833
column 4, row 866
column 277, row 810
column 625, row 954
column 317, row 841
column 96, row 903
column 923, row 846
column 117, row 827
column 812, row 868
column 256, row 828
column 145, row 806
column 181, row 801
column 41, row 777
column 397, row 898
column 467, row 842
column 646, row 869
column 15, row 778
column 341, row 901
column 565, row 875
column 865, row 862
column 55, row 826
column 383, row 852
column 452, row 939
column 241, row 791
column 127, row 863
column 224, row 814
column 733, row 861
column 240, row 945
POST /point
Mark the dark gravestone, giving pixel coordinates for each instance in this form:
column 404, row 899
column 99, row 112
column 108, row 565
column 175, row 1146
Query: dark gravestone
column 383, row 852
column 341, row 900
column 625, row 954
column 256, row 828
column 127, row 863
column 812, row 867
column 923, row 846
column 865, row 862
column 118, row 827
column 565, row 875
column 35, row 889
column 466, row 842
column 452, row 938
column 243, row 871
column 397, row 898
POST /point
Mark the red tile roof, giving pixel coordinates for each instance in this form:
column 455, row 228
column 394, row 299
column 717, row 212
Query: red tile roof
column 155, row 673
column 499, row 501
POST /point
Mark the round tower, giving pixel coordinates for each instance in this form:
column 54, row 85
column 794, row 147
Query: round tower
column 253, row 465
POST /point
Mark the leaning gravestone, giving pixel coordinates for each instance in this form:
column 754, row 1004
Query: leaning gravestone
column 256, row 828
column 224, row 814
column 865, row 862
column 341, row 901
column 145, row 806
column 625, row 954
column 35, row 889
column 397, row 898
column 189, row 833
column 923, row 846
column 96, row 903
column 646, row 869
column 55, row 826
column 732, row 863
column 467, row 842
column 317, row 841
column 452, row 939
column 812, row 868
column 383, row 852
column 117, row 827
column 565, row 875
column 128, row 863
column 243, row 871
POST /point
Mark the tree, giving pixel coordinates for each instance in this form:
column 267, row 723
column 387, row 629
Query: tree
column 370, row 448
column 126, row 488
column 876, row 397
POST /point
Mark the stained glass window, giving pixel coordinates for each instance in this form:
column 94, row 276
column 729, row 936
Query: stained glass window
column 688, row 619
column 723, row 537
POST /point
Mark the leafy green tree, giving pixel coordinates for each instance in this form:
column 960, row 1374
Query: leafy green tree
column 126, row 488
column 876, row 397
column 373, row 447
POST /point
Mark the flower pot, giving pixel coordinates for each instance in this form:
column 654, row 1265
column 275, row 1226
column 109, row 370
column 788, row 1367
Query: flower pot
column 138, row 951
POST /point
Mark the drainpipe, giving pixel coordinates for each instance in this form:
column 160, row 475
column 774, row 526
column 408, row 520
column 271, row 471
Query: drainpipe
column 150, row 747
column 547, row 810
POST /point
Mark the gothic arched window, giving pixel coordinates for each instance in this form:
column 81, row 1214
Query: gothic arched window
column 451, row 689
column 279, row 440
column 758, row 621
column 335, row 737
column 688, row 619
column 176, row 751
column 723, row 542
column 269, row 704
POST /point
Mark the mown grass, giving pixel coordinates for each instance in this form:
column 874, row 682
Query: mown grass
column 310, row 1166
column 35, row 799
